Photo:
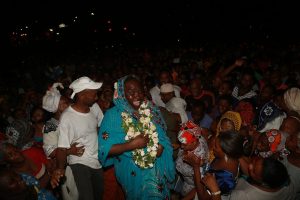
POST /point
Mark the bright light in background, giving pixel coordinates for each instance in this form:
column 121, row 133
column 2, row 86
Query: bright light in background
column 125, row 28
column 110, row 29
column 50, row 29
column 92, row 13
column 26, row 27
column 62, row 25
column 108, row 21
column 57, row 33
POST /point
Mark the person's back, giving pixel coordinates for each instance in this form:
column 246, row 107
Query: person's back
column 268, row 179
column 246, row 191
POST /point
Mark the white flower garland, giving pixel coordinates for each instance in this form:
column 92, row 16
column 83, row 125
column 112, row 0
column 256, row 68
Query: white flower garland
column 144, row 158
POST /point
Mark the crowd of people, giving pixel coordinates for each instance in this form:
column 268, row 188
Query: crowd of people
column 214, row 122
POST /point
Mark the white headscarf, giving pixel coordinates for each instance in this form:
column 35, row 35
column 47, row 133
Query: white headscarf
column 52, row 97
column 292, row 99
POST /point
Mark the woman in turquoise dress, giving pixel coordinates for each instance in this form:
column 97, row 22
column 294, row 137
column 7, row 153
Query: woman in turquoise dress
column 137, row 181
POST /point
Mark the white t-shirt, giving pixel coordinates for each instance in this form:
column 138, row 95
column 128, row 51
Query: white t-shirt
column 246, row 191
column 97, row 112
column 80, row 128
column 156, row 98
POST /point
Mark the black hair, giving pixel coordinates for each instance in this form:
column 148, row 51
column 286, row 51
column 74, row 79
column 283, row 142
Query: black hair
column 231, row 143
column 199, row 104
column 132, row 77
column 274, row 173
column 227, row 98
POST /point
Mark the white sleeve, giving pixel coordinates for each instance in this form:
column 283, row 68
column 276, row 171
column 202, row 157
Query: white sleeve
column 96, row 110
column 66, row 134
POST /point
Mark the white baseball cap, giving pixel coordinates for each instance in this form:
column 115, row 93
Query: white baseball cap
column 83, row 83
column 166, row 88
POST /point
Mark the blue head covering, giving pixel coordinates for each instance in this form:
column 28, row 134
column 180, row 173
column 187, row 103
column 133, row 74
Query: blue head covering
column 122, row 103
column 268, row 112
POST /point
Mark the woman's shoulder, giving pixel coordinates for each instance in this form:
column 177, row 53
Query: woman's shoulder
column 112, row 112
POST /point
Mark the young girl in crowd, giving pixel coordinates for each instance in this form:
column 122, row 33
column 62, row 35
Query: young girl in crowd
column 225, row 167
column 191, row 142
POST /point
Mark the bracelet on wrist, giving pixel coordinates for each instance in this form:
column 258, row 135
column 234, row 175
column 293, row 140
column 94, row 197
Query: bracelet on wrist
column 215, row 193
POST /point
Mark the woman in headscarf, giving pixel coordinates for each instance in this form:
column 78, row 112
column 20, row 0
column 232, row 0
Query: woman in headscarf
column 132, row 137
column 271, row 143
column 230, row 121
column 55, row 103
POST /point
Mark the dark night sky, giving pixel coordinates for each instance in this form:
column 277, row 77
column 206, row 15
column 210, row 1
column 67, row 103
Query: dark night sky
column 277, row 18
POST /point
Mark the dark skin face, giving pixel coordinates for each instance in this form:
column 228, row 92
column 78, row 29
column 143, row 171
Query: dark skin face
column 134, row 93
column 197, row 114
column 190, row 147
column 13, row 182
column 13, row 155
column 223, row 106
column 263, row 143
column 196, row 88
column 166, row 97
column 38, row 115
column 247, row 81
column 227, row 125
column 164, row 78
column 224, row 89
column 88, row 97
column 266, row 94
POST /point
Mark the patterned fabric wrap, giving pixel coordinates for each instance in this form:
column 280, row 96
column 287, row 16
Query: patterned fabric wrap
column 19, row 134
column 189, row 132
column 269, row 112
column 42, row 193
column 276, row 141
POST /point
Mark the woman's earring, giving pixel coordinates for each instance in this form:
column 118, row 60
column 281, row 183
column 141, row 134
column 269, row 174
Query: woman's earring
column 226, row 158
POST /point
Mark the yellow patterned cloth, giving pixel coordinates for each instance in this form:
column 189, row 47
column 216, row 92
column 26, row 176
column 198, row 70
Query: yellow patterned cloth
column 235, row 117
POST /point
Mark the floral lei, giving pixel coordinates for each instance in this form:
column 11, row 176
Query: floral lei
column 144, row 157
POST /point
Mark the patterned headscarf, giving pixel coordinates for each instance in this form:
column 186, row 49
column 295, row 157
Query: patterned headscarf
column 122, row 103
column 235, row 117
column 189, row 132
column 276, row 141
column 268, row 113
column 19, row 133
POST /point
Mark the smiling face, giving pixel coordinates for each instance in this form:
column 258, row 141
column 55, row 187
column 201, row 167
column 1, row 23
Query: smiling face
column 134, row 93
